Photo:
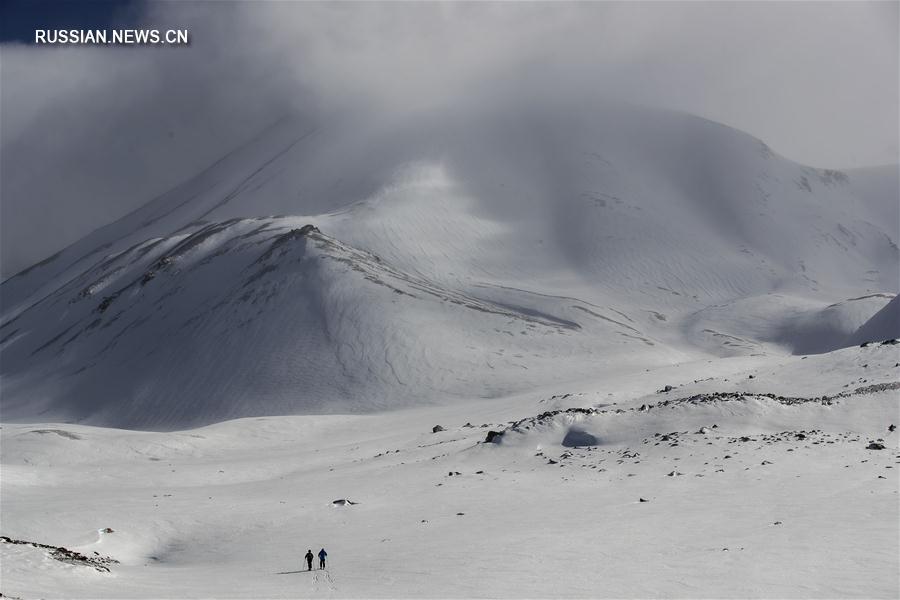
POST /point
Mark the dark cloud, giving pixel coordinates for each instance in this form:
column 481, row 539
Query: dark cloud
column 89, row 134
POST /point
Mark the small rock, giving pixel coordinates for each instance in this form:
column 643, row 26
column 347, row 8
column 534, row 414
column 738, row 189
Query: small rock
column 643, row 500
column 437, row 428
column 875, row 446
column 343, row 502
column 777, row 523
column 493, row 437
column 892, row 427
column 108, row 530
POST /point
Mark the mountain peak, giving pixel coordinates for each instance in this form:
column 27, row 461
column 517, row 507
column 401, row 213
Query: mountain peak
column 470, row 256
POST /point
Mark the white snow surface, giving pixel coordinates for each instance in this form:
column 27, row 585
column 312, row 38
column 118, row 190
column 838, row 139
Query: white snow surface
column 752, row 509
column 643, row 304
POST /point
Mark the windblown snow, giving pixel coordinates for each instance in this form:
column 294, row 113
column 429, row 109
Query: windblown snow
column 659, row 318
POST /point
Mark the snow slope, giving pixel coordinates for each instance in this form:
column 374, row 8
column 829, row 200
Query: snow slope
column 883, row 324
column 276, row 316
column 640, row 305
column 469, row 253
column 755, row 487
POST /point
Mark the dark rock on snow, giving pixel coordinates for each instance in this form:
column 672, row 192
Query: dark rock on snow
column 493, row 437
column 577, row 437
column 100, row 563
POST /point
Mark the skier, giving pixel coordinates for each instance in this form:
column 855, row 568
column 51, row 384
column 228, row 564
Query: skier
column 322, row 555
column 309, row 557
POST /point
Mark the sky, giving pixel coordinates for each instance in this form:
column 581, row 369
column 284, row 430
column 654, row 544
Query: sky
column 89, row 133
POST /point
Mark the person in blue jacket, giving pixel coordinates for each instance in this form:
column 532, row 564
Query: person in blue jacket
column 322, row 555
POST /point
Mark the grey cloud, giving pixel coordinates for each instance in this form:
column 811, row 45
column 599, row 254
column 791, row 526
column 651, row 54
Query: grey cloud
column 89, row 134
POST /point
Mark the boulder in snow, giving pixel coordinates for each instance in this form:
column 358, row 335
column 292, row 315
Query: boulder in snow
column 343, row 502
column 576, row 437
column 493, row 437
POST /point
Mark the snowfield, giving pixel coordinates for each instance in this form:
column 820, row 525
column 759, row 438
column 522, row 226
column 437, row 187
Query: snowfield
column 659, row 354
column 747, row 496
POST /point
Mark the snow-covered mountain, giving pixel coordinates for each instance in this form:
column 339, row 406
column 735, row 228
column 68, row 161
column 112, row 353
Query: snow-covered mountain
column 618, row 343
column 455, row 255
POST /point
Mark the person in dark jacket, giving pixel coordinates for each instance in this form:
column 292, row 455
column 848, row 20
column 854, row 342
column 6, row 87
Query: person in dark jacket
column 322, row 555
column 309, row 557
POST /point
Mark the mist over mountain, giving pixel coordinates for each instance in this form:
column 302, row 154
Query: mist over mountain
column 460, row 253
column 92, row 133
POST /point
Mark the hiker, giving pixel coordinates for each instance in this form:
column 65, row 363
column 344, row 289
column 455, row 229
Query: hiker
column 322, row 555
column 309, row 557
